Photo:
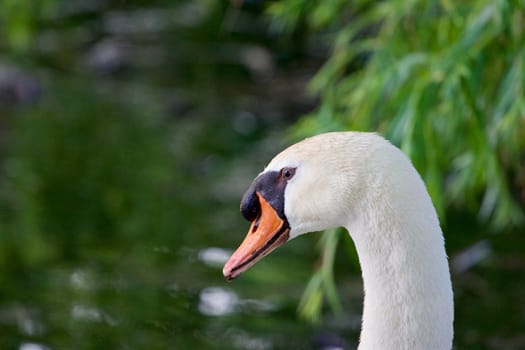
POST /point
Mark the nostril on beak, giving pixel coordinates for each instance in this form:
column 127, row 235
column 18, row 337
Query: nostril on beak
column 256, row 224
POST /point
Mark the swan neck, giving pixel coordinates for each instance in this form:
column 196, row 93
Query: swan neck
column 408, row 295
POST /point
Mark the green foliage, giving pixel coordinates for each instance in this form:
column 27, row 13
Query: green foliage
column 80, row 172
column 322, row 282
column 443, row 80
column 19, row 21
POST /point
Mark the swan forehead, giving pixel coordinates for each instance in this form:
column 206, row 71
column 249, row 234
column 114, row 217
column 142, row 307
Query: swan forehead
column 318, row 151
column 287, row 158
column 294, row 157
column 282, row 163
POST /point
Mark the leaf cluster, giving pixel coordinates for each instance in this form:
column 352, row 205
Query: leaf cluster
column 443, row 80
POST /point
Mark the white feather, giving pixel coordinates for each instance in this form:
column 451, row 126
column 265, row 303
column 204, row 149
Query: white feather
column 363, row 183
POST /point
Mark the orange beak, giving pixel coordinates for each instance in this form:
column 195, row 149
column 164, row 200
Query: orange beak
column 267, row 232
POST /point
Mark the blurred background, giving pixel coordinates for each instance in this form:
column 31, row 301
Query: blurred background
column 129, row 130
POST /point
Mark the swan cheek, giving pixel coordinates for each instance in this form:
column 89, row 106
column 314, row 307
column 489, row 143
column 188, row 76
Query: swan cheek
column 304, row 212
column 267, row 232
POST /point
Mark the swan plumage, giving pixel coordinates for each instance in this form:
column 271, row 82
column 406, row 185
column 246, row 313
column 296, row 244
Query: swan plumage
column 361, row 182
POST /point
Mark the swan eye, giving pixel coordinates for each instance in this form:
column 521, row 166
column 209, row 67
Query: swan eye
column 287, row 173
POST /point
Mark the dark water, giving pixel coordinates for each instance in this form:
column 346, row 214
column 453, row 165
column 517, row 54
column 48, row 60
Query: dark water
column 116, row 229
column 116, row 226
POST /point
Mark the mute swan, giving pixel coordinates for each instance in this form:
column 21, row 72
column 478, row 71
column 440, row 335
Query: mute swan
column 363, row 183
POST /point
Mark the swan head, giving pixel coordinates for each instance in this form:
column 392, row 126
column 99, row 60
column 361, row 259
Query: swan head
column 313, row 185
column 361, row 182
